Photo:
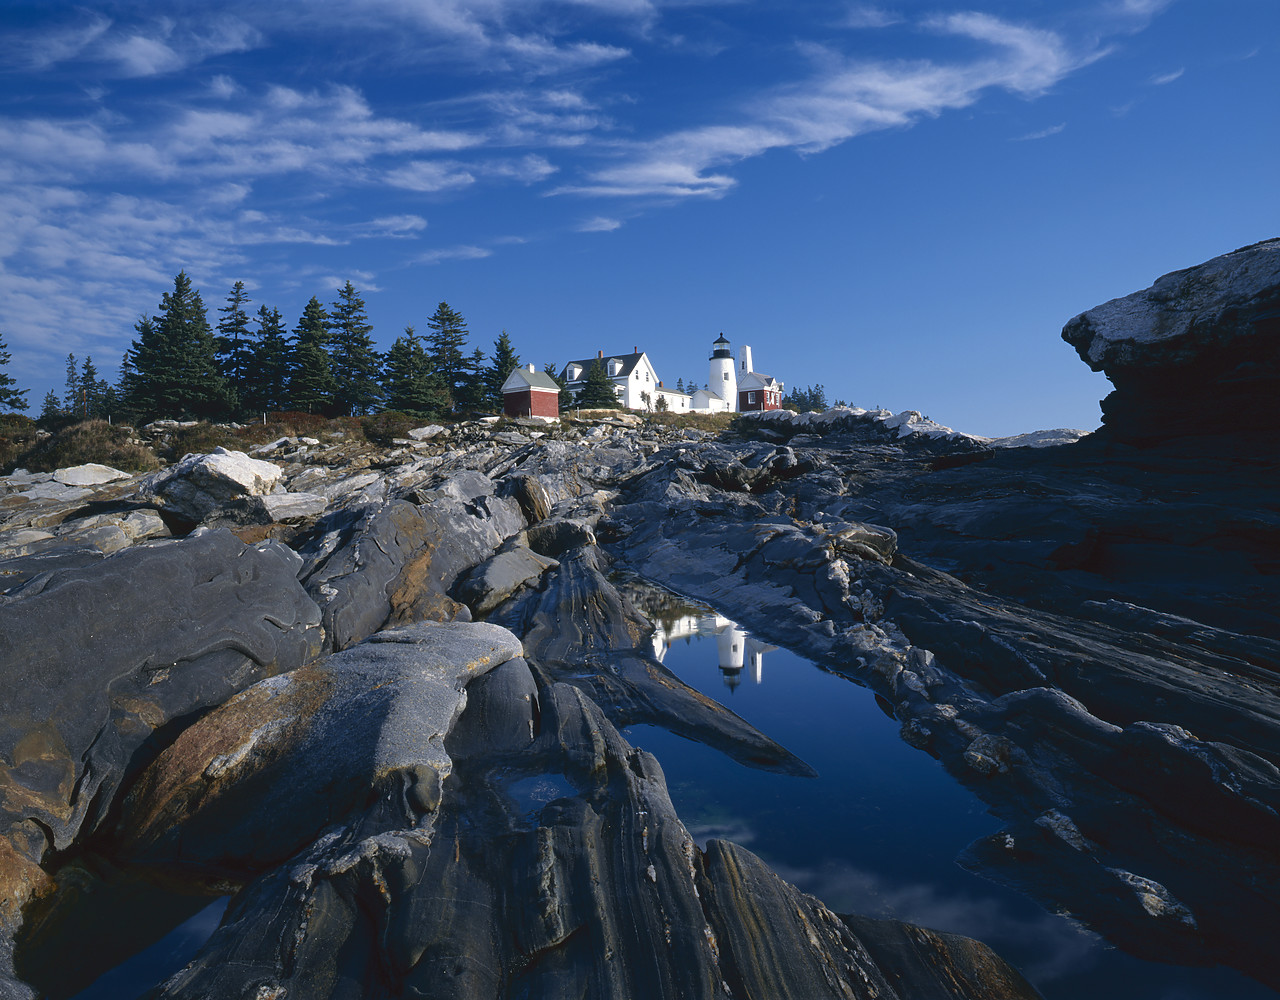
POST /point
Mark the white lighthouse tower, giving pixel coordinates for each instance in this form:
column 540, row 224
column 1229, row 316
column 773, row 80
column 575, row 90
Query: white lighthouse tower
column 724, row 382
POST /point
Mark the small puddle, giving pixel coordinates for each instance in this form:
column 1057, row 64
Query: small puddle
column 107, row 933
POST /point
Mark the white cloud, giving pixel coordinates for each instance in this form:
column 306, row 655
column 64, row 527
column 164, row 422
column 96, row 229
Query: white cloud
column 866, row 16
column 1160, row 79
column 452, row 253
column 34, row 50
column 429, row 176
column 223, row 87
column 1044, row 133
column 846, row 98
column 599, row 224
column 392, row 227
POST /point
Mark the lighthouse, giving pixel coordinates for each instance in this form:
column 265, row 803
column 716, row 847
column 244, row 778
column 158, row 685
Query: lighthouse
column 723, row 381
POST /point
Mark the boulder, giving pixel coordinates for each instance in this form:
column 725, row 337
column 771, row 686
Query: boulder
column 159, row 633
column 91, row 474
column 202, row 485
column 500, row 576
column 1193, row 354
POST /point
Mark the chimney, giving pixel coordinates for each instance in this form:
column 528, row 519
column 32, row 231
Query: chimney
column 532, row 368
column 599, row 355
column 635, row 350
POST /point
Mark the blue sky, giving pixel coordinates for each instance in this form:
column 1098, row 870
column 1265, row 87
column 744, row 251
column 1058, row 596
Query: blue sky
column 904, row 202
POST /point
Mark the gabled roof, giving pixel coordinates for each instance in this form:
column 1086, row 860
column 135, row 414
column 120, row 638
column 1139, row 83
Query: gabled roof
column 629, row 362
column 522, row 378
column 755, row 380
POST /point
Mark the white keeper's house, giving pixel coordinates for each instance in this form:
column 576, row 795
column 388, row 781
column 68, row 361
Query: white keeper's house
column 730, row 388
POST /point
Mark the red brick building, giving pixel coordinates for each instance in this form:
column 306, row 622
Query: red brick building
column 528, row 392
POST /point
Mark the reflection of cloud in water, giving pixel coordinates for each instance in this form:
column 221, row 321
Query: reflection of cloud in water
column 729, row 829
column 1057, row 945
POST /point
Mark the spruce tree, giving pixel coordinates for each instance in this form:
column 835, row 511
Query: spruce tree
column 473, row 391
column 51, row 408
column 235, row 347
column 93, row 392
column 410, row 384
column 505, row 361
column 71, row 401
column 268, row 371
column 567, row 399
column 445, row 342
column 174, row 364
column 10, row 398
column 311, row 384
column 598, row 391
column 356, row 365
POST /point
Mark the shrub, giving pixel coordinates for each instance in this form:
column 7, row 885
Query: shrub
column 89, row 441
column 383, row 428
column 17, row 435
column 199, row 439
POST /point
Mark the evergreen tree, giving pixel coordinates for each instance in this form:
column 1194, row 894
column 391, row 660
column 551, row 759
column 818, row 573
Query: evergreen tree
column 473, row 391
column 71, row 401
column 235, row 346
column 598, row 391
column 410, row 384
column 445, row 342
column 10, row 398
column 356, row 365
column 567, row 401
column 311, row 384
column 268, row 372
column 174, row 364
column 51, row 408
column 679, row 385
column 93, row 392
column 505, row 361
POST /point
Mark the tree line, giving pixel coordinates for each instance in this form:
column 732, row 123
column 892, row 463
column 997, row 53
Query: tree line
column 181, row 365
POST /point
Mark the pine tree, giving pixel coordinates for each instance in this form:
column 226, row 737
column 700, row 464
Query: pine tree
column 473, row 391
column 173, row 363
column 598, row 391
column 10, row 398
column 356, row 365
column 445, row 342
column 268, row 372
column 235, row 346
column 505, row 361
column 71, row 401
column 410, row 384
column 311, row 383
column 679, row 385
column 93, row 392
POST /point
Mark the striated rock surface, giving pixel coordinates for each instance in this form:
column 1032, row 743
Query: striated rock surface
column 1194, row 354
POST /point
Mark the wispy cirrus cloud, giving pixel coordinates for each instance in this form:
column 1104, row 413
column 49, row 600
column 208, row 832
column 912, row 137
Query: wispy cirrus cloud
column 1160, row 79
column 1043, row 133
column 849, row 97
column 443, row 254
column 598, row 224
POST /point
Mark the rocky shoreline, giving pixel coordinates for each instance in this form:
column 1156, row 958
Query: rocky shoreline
column 315, row 677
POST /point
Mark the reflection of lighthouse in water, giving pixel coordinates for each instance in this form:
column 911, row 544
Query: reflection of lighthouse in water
column 737, row 650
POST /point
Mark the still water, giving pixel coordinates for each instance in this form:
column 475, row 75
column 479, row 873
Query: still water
column 878, row 830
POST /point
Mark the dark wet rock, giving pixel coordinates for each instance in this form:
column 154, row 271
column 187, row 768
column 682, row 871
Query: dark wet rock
column 395, row 563
column 1194, row 354
column 500, row 576
column 554, row 538
column 548, row 806
column 161, row 633
column 931, row 965
column 314, row 744
column 580, row 629
column 532, row 496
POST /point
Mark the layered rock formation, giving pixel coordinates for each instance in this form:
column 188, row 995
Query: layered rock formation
column 1194, row 354
column 261, row 677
